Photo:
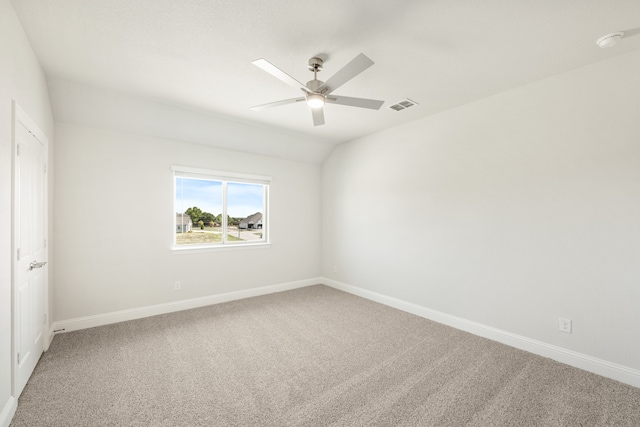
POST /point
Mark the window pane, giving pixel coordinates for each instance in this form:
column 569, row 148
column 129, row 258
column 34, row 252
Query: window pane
column 245, row 210
column 198, row 211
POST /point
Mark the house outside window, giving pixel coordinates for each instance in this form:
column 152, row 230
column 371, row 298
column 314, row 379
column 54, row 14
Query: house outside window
column 183, row 223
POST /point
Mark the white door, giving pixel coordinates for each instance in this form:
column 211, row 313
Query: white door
column 30, row 232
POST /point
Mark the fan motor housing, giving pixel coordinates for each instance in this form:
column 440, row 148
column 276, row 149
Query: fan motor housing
column 314, row 84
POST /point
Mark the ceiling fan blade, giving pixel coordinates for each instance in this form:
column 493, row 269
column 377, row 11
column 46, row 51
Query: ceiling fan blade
column 276, row 104
column 346, row 73
column 355, row 102
column 318, row 116
column 279, row 74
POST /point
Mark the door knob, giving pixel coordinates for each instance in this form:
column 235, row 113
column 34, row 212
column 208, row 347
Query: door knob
column 35, row 264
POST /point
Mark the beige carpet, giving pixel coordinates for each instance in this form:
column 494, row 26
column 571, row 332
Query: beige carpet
column 311, row 357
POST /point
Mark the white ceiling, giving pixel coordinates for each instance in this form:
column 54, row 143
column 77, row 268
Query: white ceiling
column 196, row 54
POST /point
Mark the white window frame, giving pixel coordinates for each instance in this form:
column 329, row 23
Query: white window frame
column 224, row 177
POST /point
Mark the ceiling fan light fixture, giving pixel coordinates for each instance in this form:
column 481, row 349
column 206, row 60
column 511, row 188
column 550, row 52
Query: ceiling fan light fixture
column 315, row 100
column 318, row 93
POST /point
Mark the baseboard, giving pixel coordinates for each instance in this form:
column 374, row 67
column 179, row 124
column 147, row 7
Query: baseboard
column 8, row 412
column 588, row 363
column 153, row 310
column 51, row 335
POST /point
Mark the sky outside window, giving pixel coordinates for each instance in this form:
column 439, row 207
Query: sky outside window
column 202, row 193
column 242, row 199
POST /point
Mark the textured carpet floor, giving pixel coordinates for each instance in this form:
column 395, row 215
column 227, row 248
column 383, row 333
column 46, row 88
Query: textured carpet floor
column 314, row 357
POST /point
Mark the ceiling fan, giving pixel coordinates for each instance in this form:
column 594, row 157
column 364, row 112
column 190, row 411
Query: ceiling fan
column 316, row 92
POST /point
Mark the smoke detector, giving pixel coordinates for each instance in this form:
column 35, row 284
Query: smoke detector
column 609, row 40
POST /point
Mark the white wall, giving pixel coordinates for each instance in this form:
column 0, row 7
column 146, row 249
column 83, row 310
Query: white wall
column 22, row 80
column 512, row 211
column 75, row 102
column 114, row 227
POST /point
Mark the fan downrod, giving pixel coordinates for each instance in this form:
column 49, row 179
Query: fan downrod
column 315, row 65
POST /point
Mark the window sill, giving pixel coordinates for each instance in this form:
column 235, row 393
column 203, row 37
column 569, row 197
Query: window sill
column 179, row 250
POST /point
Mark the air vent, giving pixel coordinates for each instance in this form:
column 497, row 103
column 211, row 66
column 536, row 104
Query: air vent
column 403, row 105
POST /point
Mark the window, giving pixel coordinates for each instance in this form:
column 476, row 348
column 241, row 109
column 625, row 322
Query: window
column 216, row 209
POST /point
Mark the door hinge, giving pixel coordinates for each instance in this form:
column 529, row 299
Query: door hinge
column 44, row 169
column 44, row 243
column 18, row 358
column 18, row 254
column 18, row 150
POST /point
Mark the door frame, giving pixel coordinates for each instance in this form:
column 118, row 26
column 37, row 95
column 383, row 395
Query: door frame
column 20, row 118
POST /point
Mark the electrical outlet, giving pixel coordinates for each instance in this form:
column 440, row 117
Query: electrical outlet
column 564, row 325
column 177, row 286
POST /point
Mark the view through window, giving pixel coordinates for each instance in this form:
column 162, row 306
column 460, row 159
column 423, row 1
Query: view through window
column 213, row 209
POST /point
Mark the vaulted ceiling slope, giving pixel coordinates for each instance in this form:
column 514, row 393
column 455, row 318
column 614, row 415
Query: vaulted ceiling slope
column 196, row 54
